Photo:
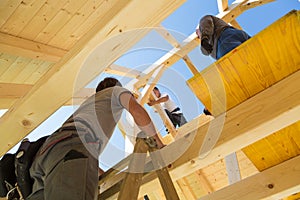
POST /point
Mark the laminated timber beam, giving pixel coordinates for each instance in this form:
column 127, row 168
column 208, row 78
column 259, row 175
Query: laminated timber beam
column 274, row 183
column 30, row 49
column 11, row 92
column 56, row 87
column 123, row 71
column 260, row 118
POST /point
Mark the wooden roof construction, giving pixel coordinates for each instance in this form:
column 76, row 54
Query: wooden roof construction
column 248, row 150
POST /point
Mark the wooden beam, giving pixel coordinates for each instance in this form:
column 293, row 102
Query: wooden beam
column 222, row 5
column 133, row 178
column 11, row 92
column 123, row 71
column 184, row 186
column 204, row 182
column 165, row 34
column 235, row 24
column 253, row 3
column 60, row 80
column 27, row 48
column 274, row 183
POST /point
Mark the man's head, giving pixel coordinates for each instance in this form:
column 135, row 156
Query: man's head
column 108, row 82
column 156, row 92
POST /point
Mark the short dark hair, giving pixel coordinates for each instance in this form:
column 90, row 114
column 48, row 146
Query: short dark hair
column 155, row 88
column 108, row 82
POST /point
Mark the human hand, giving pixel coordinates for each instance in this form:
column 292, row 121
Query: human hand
column 150, row 103
column 205, row 44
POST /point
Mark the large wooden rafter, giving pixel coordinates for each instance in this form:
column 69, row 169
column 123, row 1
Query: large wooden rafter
column 27, row 48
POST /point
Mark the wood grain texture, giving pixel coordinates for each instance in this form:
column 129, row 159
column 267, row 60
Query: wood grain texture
column 274, row 183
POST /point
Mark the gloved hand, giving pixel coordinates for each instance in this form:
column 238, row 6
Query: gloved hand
column 205, row 44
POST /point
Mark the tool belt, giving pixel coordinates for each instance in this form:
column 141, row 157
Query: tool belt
column 15, row 180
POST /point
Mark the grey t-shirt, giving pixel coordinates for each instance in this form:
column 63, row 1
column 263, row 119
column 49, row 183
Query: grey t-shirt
column 95, row 119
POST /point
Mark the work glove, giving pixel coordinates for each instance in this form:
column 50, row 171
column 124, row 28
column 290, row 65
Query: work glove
column 205, row 44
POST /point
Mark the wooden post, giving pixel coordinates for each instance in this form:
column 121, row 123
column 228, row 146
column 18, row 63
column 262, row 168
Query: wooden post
column 163, row 175
column 133, row 179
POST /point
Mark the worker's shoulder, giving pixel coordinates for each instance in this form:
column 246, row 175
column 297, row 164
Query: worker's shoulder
column 112, row 91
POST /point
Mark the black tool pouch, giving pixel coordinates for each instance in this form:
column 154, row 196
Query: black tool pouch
column 8, row 178
column 24, row 158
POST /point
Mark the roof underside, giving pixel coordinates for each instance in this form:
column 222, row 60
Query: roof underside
column 43, row 45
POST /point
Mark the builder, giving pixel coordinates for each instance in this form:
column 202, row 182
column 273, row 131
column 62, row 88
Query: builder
column 66, row 166
column 218, row 38
column 172, row 110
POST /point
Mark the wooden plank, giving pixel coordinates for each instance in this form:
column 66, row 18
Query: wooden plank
column 82, row 29
column 12, row 90
column 6, row 61
column 184, row 186
column 235, row 24
column 39, row 73
column 80, row 17
column 259, row 62
column 247, row 168
column 237, row 132
column 29, row 49
column 122, row 71
column 276, row 148
column 253, row 3
column 38, row 104
column 190, row 64
column 7, row 7
column 41, row 19
column 59, row 20
column 134, row 175
column 14, row 69
column 195, row 185
column 21, row 16
column 204, row 182
column 179, row 191
column 167, row 36
column 163, row 175
column 27, row 71
column 274, row 183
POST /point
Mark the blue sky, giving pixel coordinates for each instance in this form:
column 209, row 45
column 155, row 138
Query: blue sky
column 181, row 24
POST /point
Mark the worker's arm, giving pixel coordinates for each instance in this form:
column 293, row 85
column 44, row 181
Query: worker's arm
column 158, row 101
column 206, row 29
column 140, row 116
